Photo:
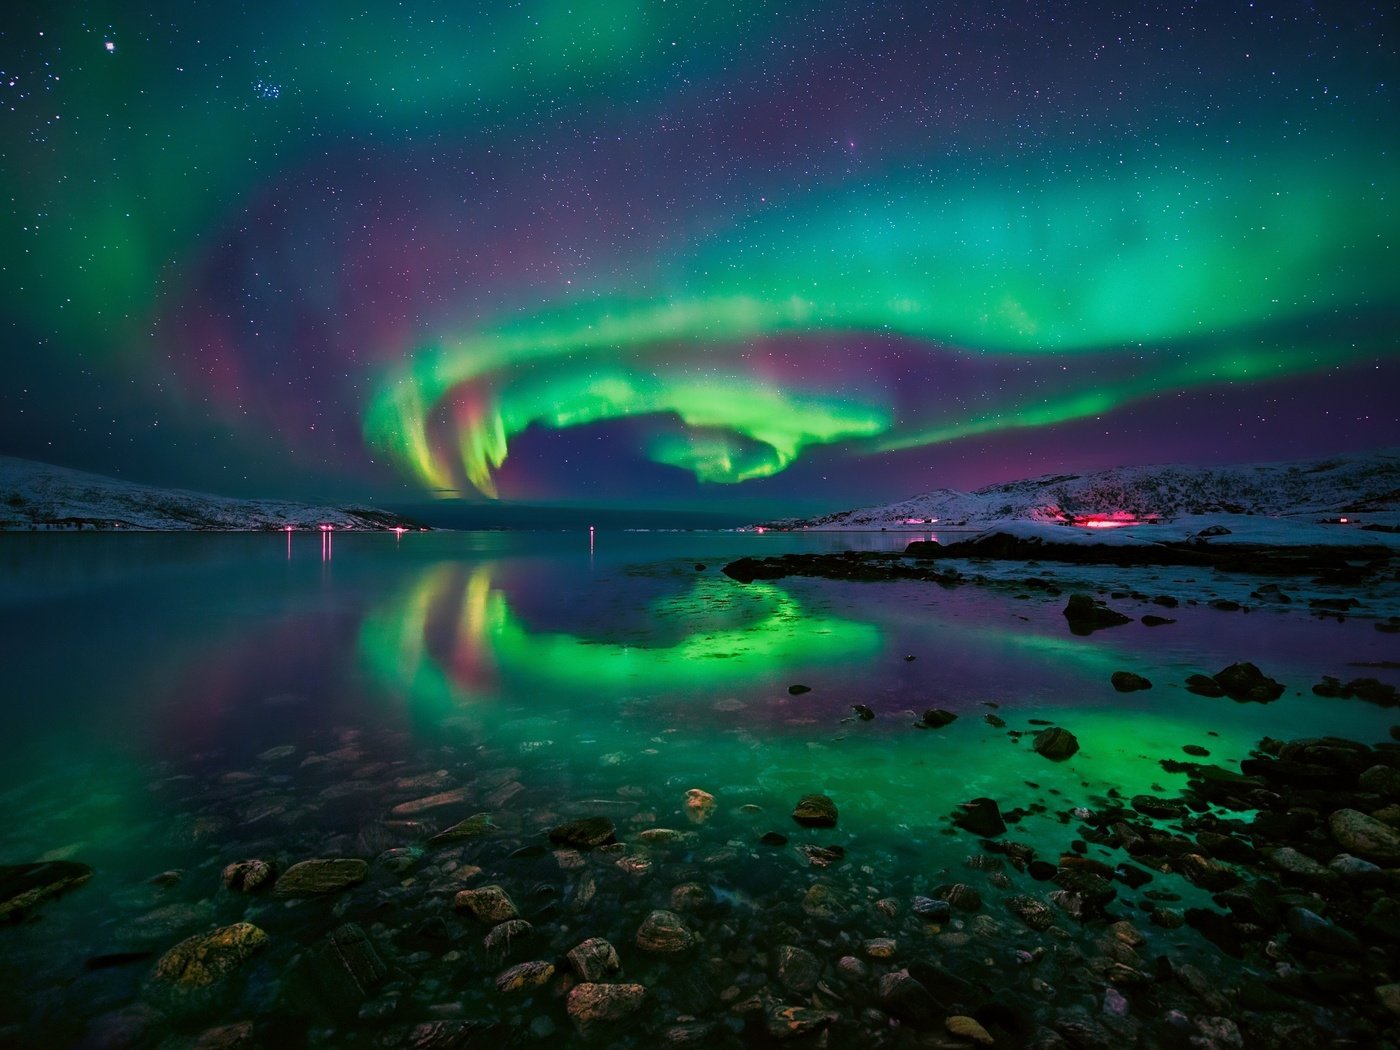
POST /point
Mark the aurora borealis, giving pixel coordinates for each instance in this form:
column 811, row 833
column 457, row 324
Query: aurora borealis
column 660, row 253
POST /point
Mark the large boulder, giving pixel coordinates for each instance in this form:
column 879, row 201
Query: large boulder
column 1365, row 836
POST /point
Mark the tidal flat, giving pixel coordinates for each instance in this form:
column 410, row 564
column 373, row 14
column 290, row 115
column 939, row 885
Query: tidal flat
column 447, row 789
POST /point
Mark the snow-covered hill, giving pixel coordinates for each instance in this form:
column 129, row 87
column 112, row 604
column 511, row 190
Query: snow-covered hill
column 39, row 496
column 1365, row 486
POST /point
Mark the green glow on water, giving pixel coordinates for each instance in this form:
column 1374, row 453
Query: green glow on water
column 490, row 646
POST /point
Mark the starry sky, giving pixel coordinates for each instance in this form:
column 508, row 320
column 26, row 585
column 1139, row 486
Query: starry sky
column 702, row 255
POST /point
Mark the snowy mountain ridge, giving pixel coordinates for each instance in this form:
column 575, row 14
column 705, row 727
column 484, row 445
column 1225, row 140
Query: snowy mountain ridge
column 38, row 496
column 1358, row 484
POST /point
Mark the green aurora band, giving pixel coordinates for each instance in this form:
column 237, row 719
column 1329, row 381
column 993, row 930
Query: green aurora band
column 1179, row 285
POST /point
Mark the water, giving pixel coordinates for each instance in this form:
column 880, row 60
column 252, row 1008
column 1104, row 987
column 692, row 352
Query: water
column 175, row 703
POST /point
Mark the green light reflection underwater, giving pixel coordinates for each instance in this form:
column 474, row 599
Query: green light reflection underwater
column 1181, row 285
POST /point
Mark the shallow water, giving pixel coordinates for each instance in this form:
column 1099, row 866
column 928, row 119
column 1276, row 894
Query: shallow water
column 146, row 675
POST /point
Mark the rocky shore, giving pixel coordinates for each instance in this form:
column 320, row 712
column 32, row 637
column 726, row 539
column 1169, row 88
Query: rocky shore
column 1251, row 907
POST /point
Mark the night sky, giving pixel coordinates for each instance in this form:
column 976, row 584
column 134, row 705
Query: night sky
column 714, row 254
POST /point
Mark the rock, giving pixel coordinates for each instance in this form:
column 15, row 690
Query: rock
column 864, row 713
column 823, row 901
column 787, row 1022
column 1204, row 685
column 798, row 969
column 1316, row 932
column 982, row 817
column 586, row 833
column 592, row 1004
column 664, row 932
column 1204, row 872
column 936, row 718
column 1055, row 743
column 247, row 876
column 197, row 973
column 525, row 976
column 311, row 878
column 1245, row 682
column 798, row 689
column 691, row 896
column 1380, row 780
column 906, row 998
column 1153, row 620
column 960, row 896
column 699, row 805
column 455, row 797
column 1356, row 869
column 822, row 856
column 344, row 970
column 965, row 1027
column 23, row 886
column 594, row 959
column 1196, row 750
column 1085, row 615
column 1034, row 913
column 1128, row 682
column 504, row 936
column 1388, row 995
column 879, row 948
column 1158, row 808
column 815, row 811
column 932, row 910
column 474, row 827
column 1365, row 837
column 489, row 904
column 1288, row 859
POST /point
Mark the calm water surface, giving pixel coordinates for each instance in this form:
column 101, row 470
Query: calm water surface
column 147, row 679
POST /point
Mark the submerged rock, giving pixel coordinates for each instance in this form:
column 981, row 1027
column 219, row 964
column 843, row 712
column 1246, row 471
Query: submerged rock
column 586, row 833
column 798, row 969
column 1055, row 743
column 311, row 878
column 1204, row 685
column 247, row 876
column 197, row 973
column 489, row 904
column 592, row 1004
column 525, row 976
column 788, row 1022
column 594, row 959
column 699, row 805
column 664, row 932
column 344, row 970
column 23, row 886
column 474, row 827
column 815, row 811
